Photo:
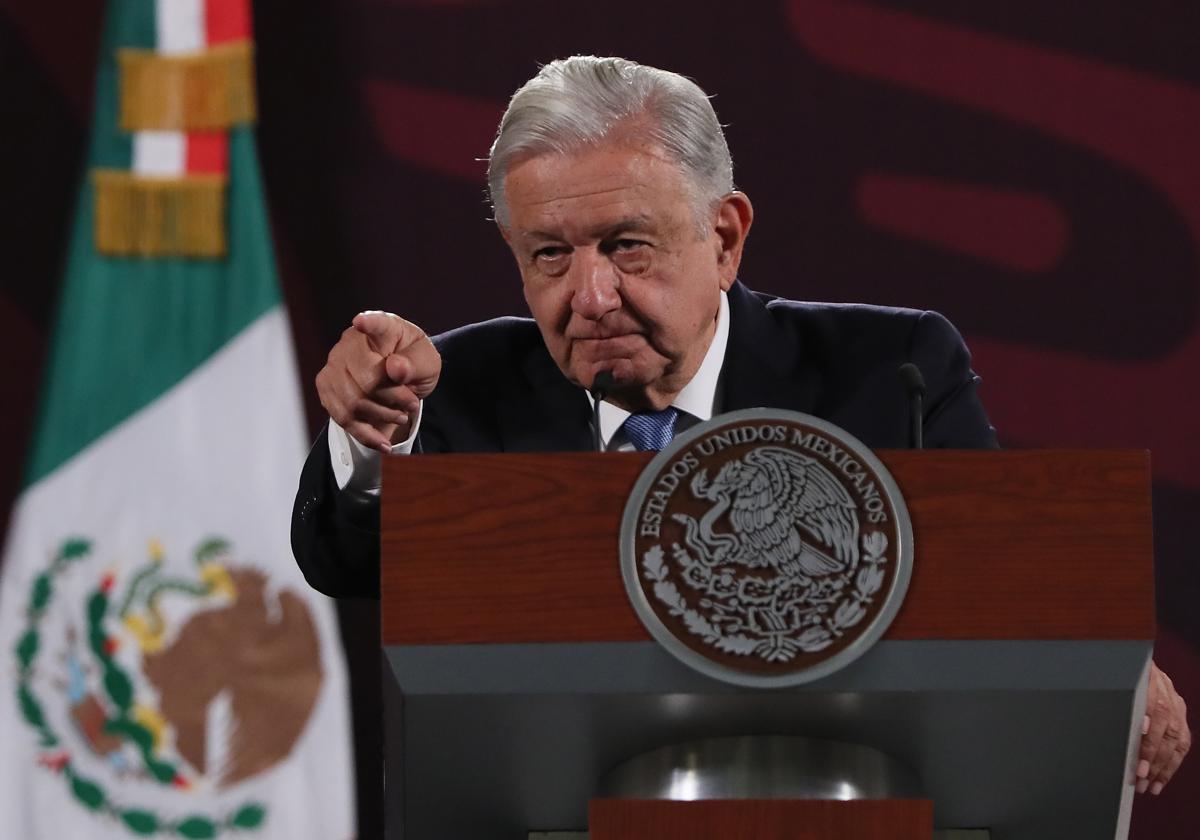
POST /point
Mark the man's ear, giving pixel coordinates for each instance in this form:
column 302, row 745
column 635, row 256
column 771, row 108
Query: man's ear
column 735, row 214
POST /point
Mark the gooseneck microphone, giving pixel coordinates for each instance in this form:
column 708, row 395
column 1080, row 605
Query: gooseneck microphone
column 914, row 383
column 600, row 388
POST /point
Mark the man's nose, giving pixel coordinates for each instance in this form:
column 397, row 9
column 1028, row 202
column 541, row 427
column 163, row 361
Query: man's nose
column 596, row 282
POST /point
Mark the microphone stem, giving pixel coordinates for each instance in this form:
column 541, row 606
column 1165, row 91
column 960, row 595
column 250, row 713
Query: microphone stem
column 597, row 396
column 914, row 384
column 600, row 387
column 917, row 420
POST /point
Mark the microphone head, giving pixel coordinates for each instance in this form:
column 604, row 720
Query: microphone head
column 602, row 384
column 911, row 376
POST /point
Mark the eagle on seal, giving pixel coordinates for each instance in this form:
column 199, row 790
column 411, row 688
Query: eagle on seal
column 771, row 495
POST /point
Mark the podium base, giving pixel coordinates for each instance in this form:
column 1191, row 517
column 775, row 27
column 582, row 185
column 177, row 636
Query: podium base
column 761, row 767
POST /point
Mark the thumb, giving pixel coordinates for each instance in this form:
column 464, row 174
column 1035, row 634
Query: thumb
column 416, row 364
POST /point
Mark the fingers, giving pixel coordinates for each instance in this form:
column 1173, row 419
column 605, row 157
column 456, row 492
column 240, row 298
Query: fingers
column 384, row 330
column 351, row 371
column 370, row 423
column 398, row 398
column 1175, row 743
column 375, row 377
column 372, row 437
column 410, row 357
column 366, row 411
column 1148, row 760
column 378, row 419
column 1166, row 737
column 416, row 364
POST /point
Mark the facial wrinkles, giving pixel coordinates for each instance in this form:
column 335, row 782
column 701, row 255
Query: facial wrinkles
column 587, row 235
column 631, row 321
column 583, row 220
column 602, row 191
column 581, row 209
column 631, row 317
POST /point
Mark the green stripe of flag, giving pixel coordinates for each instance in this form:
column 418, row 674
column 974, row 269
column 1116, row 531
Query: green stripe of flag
column 127, row 24
column 128, row 329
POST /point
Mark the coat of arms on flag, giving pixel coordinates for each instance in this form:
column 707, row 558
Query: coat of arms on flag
column 164, row 669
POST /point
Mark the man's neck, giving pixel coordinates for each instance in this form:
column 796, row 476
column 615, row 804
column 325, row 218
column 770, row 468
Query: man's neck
column 697, row 398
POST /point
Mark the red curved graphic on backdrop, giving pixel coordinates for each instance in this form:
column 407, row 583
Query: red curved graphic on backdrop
column 1148, row 125
column 1006, row 227
column 411, row 122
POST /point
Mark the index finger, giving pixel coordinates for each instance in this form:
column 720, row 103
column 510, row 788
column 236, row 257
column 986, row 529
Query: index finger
column 385, row 330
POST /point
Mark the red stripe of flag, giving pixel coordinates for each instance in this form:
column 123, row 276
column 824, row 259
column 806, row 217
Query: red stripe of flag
column 227, row 20
column 207, row 152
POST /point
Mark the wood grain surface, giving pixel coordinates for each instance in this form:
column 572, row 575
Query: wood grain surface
column 1009, row 545
column 760, row 819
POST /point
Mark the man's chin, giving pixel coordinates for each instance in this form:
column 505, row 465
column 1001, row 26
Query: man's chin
column 624, row 372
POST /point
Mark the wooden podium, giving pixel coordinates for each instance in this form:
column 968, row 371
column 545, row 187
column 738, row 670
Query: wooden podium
column 517, row 673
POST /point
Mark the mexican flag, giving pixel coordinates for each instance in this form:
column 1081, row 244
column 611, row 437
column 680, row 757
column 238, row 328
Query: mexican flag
column 164, row 669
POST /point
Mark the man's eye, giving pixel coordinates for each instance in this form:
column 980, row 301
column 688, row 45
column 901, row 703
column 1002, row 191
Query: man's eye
column 628, row 244
column 549, row 252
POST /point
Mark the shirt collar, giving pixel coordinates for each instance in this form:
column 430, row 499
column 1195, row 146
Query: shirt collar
column 698, row 398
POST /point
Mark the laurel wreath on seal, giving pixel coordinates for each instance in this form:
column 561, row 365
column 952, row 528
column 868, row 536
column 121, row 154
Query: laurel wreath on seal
column 867, row 582
column 119, row 690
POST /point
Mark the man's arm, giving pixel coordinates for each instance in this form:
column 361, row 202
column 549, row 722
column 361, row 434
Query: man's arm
column 372, row 386
column 335, row 534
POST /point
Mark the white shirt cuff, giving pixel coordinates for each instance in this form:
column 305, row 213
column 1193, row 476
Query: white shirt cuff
column 358, row 469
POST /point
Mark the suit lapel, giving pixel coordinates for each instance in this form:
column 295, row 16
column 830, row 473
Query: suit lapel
column 551, row 416
column 764, row 363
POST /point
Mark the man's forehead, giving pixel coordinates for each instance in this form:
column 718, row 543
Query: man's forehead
column 599, row 229
column 607, row 186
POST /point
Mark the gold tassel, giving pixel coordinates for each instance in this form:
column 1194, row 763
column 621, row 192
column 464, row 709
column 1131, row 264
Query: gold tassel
column 159, row 217
column 202, row 91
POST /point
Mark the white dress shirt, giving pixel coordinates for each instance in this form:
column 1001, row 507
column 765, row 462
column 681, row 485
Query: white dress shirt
column 696, row 402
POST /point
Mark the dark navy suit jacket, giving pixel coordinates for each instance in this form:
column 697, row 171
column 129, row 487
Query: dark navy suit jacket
column 501, row 392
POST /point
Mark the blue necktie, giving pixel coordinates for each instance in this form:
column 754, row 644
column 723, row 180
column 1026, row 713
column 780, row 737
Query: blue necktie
column 651, row 431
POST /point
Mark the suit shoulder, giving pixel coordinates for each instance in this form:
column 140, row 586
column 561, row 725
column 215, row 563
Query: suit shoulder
column 854, row 352
column 848, row 314
column 508, row 334
column 844, row 325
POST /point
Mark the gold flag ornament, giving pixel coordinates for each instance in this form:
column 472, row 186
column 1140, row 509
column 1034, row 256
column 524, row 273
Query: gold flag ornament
column 157, row 217
column 206, row 90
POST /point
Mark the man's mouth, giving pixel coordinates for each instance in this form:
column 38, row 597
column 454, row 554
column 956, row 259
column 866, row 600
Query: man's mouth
column 607, row 347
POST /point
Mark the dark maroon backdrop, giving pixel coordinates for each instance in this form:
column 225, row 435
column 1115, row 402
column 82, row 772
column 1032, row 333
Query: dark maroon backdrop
column 1030, row 169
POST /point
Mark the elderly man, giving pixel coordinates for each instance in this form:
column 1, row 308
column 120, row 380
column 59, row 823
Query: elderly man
column 613, row 186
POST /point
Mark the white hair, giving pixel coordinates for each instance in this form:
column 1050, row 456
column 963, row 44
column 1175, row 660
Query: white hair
column 583, row 100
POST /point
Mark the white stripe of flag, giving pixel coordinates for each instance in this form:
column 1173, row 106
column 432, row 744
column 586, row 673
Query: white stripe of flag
column 180, row 28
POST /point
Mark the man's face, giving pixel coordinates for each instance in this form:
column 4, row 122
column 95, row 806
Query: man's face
column 617, row 273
